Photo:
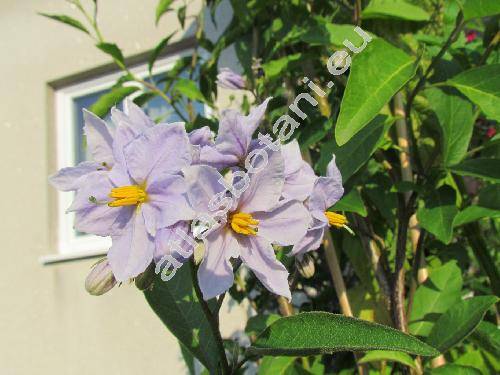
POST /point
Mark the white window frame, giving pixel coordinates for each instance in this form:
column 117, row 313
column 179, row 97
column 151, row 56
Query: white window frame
column 68, row 244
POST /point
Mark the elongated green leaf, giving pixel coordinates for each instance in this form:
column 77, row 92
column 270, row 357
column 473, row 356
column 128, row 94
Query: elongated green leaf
column 66, row 20
column 112, row 50
column 188, row 359
column 189, row 89
column 487, row 336
column 326, row 33
column 439, row 212
column 177, row 306
column 157, row 50
column 479, row 8
column 453, row 369
column 320, row 332
column 456, row 120
column 352, row 155
column 473, row 213
column 351, row 202
column 485, row 168
column 104, row 104
column 436, row 295
column 162, row 8
column 459, row 321
column 377, row 73
column 482, row 86
column 276, row 365
column 274, row 68
column 489, row 197
column 386, row 355
column 398, row 9
column 256, row 324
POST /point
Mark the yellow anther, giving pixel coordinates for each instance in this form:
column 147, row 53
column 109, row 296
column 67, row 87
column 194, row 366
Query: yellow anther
column 127, row 196
column 243, row 223
column 335, row 219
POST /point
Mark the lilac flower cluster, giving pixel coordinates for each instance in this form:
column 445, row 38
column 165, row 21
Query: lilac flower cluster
column 156, row 189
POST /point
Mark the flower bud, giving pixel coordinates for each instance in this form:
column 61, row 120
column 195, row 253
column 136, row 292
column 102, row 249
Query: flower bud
column 230, row 80
column 145, row 279
column 305, row 266
column 101, row 279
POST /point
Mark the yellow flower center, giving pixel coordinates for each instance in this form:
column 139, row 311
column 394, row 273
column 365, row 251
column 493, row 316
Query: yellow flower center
column 243, row 223
column 127, row 196
column 335, row 219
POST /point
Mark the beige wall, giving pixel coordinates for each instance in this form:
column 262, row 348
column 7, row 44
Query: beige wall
column 48, row 324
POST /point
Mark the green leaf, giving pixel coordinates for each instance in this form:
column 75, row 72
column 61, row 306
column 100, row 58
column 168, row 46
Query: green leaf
column 67, row 20
column 326, row 33
column 112, row 50
column 432, row 298
column 181, row 15
column 473, row 213
column 479, row 8
column 104, row 104
column 256, row 324
column 453, row 369
column 489, row 197
column 274, row 68
column 352, row 155
column 459, row 321
column 275, row 365
column 177, row 306
column 376, row 75
column 485, row 168
column 157, row 50
column 482, row 86
column 439, row 212
column 487, row 336
column 398, row 9
column 386, row 355
column 162, row 8
column 314, row 333
column 456, row 120
column 189, row 89
column 188, row 359
column 351, row 202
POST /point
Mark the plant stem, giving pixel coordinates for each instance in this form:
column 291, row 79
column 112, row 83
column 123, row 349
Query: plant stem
column 212, row 320
column 421, row 82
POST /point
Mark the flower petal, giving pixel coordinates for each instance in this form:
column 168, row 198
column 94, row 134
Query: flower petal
column 258, row 254
column 99, row 138
column 168, row 241
column 327, row 190
column 236, row 130
column 68, row 179
column 211, row 156
column 311, row 241
column 265, row 186
column 203, row 185
column 285, row 225
column 201, row 136
column 103, row 220
column 94, row 187
column 215, row 274
column 299, row 185
column 162, row 149
column 132, row 251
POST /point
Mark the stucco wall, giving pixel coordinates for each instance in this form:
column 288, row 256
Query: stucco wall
column 48, row 323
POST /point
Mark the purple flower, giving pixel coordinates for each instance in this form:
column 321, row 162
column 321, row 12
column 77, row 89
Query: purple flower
column 234, row 139
column 230, row 80
column 142, row 193
column 101, row 138
column 299, row 176
column 326, row 192
column 255, row 221
column 199, row 138
column 100, row 144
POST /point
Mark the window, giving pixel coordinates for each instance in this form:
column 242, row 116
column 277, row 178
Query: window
column 70, row 146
